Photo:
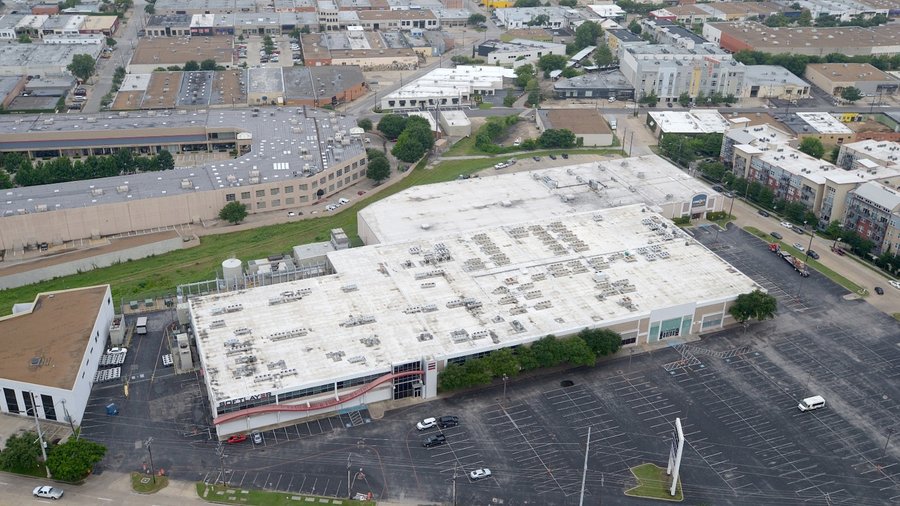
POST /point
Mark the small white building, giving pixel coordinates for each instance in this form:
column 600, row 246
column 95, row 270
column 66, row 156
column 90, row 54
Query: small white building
column 447, row 87
column 456, row 123
column 49, row 353
column 693, row 122
column 525, row 17
column 517, row 52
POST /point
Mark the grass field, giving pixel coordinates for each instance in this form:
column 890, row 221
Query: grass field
column 229, row 495
column 160, row 274
column 150, row 487
column 653, row 482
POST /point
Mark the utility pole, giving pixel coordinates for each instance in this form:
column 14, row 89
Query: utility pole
column 587, row 448
column 152, row 471
column 41, row 434
column 348, row 476
column 220, row 450
column 454, row 486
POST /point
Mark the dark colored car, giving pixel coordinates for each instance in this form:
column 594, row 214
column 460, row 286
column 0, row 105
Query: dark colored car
column 536, row 158
column 718, row 188
column 762, row 213
column 565, row 156
column 448, row 421
column 879, row 290
column 553, row 157
column 776, row 235
column 813, row 254
column 435, row 440
column 799, row 230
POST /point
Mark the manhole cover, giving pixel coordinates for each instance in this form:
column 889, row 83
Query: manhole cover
column 566, row 383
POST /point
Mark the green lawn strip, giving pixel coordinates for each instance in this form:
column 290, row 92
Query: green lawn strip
column 830, row 274
column 485, row 105
column 896, row 316
column 654, row 483
column 463, row 147
column 37, row 472
column 139, row 485
column 231, row 495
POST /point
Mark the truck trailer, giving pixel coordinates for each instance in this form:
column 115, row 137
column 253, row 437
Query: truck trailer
column 796, row 263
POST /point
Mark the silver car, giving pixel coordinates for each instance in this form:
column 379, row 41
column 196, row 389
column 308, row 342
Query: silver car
column 479, row 474
column 48, row 492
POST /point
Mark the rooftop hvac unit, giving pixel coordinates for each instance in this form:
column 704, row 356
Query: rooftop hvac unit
column 97, row 192
column 186, row 184
column 254, row 173
column 254, row 180
column 40, row 208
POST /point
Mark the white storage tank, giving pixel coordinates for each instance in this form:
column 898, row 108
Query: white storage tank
column 232, row 272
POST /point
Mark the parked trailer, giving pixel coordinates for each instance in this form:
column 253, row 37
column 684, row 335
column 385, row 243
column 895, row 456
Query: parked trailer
column 796, row 263
column 141, row 327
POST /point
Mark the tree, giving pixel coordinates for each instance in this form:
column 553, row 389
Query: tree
column 509, row 100
column 82, row 66
column 420, row 130
column 408, row 147
column 365, row 124
column 534, row 93
column 379, row 169
column 5, row 180
column 851, row 94
column 150, row 9
column 777, row 20
column 111, row 42
column 684, row 99
column 812, row 146
column 539, row 20
column 524, row 74
column 550, row 62
column 548, row 351
column 755, row 304
column 234, row 212
column 392, row 125
column 603, row 56
column 502, row 363
column 834, row 230
column 476, row 19
column 208, row 64
column 601, row 341
column 164, row 160
column 586, row 35
column 527, row 3
column 577, row 352
column 805, row 18
column 191, row 66
column 21, row 453
column 24, row 39
column 556, row 138
column 568, row 3
column 74, row 459
column 635, row 27
column 650, row 99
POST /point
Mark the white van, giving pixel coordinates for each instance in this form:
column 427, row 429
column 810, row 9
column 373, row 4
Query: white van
column 141, row 327
column 811, row 403
column 343, row 201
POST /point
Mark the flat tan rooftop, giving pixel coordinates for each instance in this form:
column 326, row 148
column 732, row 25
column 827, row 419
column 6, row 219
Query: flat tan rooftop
column 56, row 330
column 849, row 72
column 164, row 51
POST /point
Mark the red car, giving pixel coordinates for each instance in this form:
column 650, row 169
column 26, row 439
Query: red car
column 237, row 438
column 361, row 192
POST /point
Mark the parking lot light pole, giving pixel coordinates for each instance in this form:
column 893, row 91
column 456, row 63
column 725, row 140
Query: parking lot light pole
column 890, row 433
column 152, row 471
column 505, row 379
column 348, row 476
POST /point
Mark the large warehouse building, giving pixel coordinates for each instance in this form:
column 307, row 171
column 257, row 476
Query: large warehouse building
column 287, row 158
column 400, row 311
column 50, row 352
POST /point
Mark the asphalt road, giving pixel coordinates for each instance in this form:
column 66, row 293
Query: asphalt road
column 126, row 40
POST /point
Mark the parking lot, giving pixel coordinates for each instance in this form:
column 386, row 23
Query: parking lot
column 736, row 392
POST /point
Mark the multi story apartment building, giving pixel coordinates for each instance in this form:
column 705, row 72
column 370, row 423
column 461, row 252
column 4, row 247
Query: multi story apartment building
column 873, row 211
column 670, row 71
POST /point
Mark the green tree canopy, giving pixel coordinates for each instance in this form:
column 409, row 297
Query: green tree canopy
column 234, row 212
column 603, row 56
column 550, row 62
column 82, row 66
column 22, row 452
column 812, row 146
column 586, row 35
column 684, row 99
column 635, row 27
column 476, row 19
column 534, row 93
column 524, row 74
column 164, row 160
column 601, row 341
column 527, row 3
column 539, row 20
column 191, row 66
column 408, row 147
column 74, row 459
column 568, row 3
column 365, row 124
column 556, row 138
column 851, row 94
column 392, row 125
column 755, row 304
column 208, row 64
column 379, row 169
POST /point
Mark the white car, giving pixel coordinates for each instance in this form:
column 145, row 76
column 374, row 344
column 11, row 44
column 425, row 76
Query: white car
column 799, row 247
column 113, row 351
column 257, row 438
column 426, row 424
column 786, row 224
column 47, row 492
column 895, row 284
column 480, row 474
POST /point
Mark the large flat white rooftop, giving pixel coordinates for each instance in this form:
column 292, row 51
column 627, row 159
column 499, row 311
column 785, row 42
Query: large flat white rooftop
column 824, row 123
column 453, row 296
column 451, row 207
column 697, row 121
column 818, row 171
column 885, row 151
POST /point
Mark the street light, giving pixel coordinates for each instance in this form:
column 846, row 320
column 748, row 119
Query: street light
column 505, row 379
column 890, row 433
column 152, row 471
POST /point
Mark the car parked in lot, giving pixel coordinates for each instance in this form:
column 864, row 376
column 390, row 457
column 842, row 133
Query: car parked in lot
column 565, row 157
column 776, row 235
column 47, row 492
column 237, row 438
column 479, row 474
column 813, row 254
column 426, row 423
column 553, row 157
column 895, row 284
column 436, row 440
column 879, row 290
column 448, row 421
column 762, row 213
column 787, row 224
column 257, row 438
